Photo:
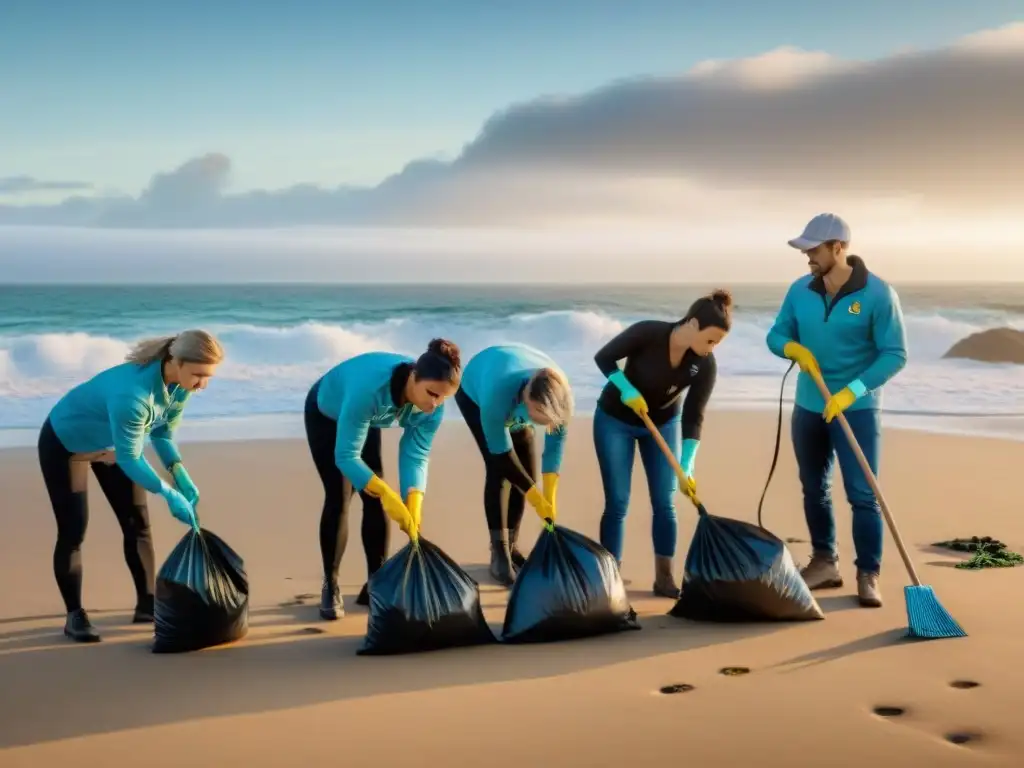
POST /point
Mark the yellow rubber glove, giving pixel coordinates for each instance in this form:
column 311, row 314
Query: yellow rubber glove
column 550, row 490
column 802, row 356
column 843, row 399
column 628, row 394
column 414, row 503
column 540, row 505
column 394, row 507
column 690, row 489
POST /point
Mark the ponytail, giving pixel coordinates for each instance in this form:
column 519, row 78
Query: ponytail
column 192, row 346
column 150, row 350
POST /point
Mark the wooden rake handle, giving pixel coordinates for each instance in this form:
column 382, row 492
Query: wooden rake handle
column 672, row 460
column 872, row 480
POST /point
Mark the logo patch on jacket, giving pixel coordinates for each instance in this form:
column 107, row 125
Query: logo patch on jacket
column 693, row 369
column 854, row 308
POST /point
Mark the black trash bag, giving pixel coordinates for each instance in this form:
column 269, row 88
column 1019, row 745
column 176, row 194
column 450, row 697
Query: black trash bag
column 202, row 595
column 568, row 588
column 421, row 600
column 738, row 572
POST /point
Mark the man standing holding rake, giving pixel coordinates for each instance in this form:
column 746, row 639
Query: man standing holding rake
column 845, row 324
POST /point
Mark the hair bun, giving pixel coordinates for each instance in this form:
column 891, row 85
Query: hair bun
column 722, row 297
column 449, row 350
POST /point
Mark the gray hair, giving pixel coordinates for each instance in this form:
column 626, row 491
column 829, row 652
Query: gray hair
column 552, row 397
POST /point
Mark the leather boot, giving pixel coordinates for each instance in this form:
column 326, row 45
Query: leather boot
column 867, row 590
column 822, row 572
column 501, row 559
column 664, row 578
column 518, row 560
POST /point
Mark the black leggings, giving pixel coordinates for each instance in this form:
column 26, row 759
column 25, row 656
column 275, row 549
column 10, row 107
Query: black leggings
column 503, row 501
column 71, row 508
column 322, row 434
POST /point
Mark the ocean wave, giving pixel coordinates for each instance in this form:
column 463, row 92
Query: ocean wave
column 269, row 368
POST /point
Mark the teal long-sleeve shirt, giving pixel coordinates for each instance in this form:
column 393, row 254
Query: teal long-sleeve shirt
column 494, row 379
column 362, row 392
column 857, row 335
column 117, row 409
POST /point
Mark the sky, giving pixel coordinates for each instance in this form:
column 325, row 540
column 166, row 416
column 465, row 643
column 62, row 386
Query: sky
column 642, row 118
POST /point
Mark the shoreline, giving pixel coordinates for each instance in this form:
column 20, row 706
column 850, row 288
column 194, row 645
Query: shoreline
column 289, row 425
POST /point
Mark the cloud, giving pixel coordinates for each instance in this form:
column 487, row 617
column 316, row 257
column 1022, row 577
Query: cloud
column 919, row 131
column 20, row 185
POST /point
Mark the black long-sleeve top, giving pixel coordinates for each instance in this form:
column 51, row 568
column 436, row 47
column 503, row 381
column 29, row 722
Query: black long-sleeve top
column 645, row 347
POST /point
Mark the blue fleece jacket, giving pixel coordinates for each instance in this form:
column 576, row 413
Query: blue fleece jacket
column 858, row 336
column 494, row 379
column 116, row 409
column 358, row 394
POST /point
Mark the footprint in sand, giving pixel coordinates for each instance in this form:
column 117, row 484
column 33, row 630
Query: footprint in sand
column 889, row 711
column 962, row 737
column 676, row 688
column 734, row 671
column 964, row 684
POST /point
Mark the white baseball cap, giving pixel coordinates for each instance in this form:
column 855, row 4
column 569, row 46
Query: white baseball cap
column 821, row 229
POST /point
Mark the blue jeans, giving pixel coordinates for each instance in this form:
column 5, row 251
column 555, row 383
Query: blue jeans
column 615, row 443
column 816, row 445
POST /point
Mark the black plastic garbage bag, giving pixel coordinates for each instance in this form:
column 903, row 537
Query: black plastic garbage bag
column 421, row 600
column 568, row 588
column 202, row 595
column 738, row 572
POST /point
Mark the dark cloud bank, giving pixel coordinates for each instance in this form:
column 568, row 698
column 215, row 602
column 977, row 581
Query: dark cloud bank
column 943, row 126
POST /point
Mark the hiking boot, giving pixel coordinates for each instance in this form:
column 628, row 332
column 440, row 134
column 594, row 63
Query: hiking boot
column 79, row 628
column 331, row 606
column 822, row 572
column 501, row 559
column 867, row 589
column 143, row 611
column 364, row 595
column 517, row 558
column 664, row 580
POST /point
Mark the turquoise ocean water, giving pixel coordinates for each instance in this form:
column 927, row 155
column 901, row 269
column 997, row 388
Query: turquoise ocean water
column 279, row 338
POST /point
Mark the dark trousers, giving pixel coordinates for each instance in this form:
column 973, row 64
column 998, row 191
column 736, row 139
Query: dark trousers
column 322, row 434
column 71, row 510
column 817, row 445
column 503, row 502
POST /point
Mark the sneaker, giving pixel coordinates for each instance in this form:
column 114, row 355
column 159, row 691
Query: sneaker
column 867, row 590
column 331, row 606
column 822, row 572
column 79, row 628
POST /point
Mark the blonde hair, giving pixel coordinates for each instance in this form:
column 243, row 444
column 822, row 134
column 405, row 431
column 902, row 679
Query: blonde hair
column 193, row 346
column 552, row 396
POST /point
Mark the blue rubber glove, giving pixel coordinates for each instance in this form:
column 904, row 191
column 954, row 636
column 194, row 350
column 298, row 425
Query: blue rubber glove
column 179, row 506
column 689, row 456
column 184, row 482
column 629, row 394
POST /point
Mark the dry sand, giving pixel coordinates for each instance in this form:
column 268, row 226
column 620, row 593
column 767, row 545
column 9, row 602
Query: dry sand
column 294, row 692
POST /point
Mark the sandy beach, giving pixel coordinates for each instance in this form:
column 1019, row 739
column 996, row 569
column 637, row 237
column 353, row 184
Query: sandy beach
column 294, row 693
